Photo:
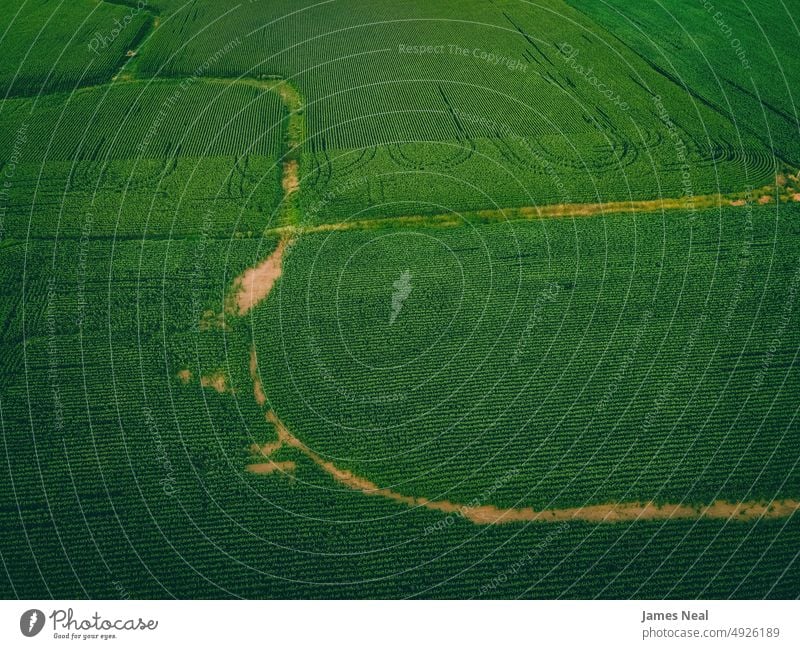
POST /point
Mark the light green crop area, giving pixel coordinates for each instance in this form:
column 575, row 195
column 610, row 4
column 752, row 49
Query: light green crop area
column 287, row 286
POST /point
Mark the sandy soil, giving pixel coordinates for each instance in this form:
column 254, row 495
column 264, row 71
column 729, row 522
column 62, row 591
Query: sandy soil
column 216, row 380
column 258, row 388
column 290, row 180
column 255, row 284
column 286, row 466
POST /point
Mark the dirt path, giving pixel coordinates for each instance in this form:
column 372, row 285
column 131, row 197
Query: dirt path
column 761, row 196
column 258, row 388
column 486, row 514
column 254, row 285
column 291, row 178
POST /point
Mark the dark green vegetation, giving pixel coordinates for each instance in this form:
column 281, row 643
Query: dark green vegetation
column 527, row 127
column 144, row 158
column 62, row 45
column 735, row 57
column 546, row 363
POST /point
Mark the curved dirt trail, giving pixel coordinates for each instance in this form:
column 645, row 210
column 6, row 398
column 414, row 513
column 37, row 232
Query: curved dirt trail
column 485, row 514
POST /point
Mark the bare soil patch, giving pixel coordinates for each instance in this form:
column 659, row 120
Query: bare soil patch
column 285, row 466
column 255, row 284
column 216, row 380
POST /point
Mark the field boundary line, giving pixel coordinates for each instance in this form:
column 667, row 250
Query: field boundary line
column 762, row 196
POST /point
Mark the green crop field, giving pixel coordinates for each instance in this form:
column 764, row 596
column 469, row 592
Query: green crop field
column 399, row 300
